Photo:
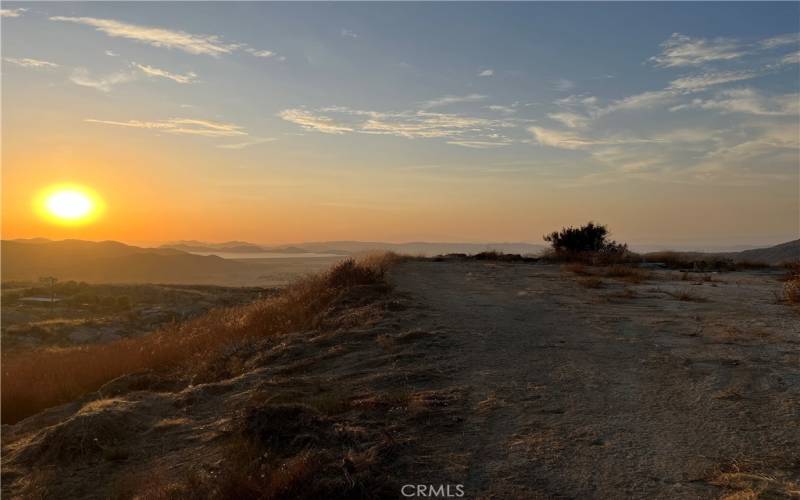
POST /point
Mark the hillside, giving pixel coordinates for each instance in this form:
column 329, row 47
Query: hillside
column 510, row 380
column 109, row 261
column 778, row 254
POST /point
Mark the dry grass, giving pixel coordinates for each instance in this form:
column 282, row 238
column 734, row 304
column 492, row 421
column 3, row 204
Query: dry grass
column 280, row 451
column 576, row 268
column 687, row 296
column 38, row 379
column 591, row 282
column 741, row 483
column 627, row 273
column 791, row 285
column 701, row 262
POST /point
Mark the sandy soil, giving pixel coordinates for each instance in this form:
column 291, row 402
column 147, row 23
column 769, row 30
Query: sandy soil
column 514, row 380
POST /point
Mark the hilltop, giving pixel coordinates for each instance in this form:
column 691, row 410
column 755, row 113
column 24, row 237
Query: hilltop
column 514, row 380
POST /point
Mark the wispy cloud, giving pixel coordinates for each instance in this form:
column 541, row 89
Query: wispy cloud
column 792, row 58
column 424, row 124
column 748, row 101
column 349, row 34
column 643, row 100
column 27, row 62
column 310, row 121
column 451, row 99
column 210, row 45
column 683, row 50
column 263, row 53
column 486, row 72
column 82, row 77
column 703, row 81
column 506, row 110
column 12, row 12
column 467, row 131
column 572, row 140
column 571, row 120
column 563, row 85
column 480, row 144
column 158, row 37
column 560, row 139
column 247, row 144
column 183, row 126
column 111, row 53
column 160, row 73
column 780, row 40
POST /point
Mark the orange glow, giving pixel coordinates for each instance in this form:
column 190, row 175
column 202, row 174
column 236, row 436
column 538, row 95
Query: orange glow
column 69, row 204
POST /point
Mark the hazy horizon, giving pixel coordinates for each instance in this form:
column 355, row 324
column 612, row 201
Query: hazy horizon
column 475, row 122
column 636, row 246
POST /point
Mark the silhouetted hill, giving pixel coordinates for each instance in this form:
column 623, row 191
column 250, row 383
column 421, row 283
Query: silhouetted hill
column 778, row 254
column 416, row 247
column 204, row 247
column 355, row 247
column 109, row 261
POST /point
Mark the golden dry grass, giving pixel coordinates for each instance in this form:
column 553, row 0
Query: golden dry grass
column 627, row 273
column 791, row 285
column 576, row 268
column 38, row 379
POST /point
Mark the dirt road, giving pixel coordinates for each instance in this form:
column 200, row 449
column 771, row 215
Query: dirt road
column 670, row 388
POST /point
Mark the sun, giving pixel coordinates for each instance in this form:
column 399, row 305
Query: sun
column 69, row 204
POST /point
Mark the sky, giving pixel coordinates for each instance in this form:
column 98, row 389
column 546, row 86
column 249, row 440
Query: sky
column 675, row 124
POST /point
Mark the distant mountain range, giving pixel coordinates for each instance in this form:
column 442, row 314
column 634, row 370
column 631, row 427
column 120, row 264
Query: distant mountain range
column 109, row 261
column 112, row 261
column 353, row 247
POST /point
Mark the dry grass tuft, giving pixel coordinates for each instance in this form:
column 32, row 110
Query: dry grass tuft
column 591, row 282
column 627, row 273
column 38, row 379
column 576, row 268
column 688, row 296
column 791, row 285
column 741, row 484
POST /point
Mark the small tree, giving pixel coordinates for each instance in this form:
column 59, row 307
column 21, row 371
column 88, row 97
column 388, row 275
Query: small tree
column 588, row 239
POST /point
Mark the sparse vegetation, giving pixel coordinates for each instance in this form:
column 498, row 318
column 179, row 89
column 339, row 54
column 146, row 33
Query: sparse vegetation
column 591, row 282
column 37, row 379
column 577, row 268
column 791, row 285
column 588, row 243
column 627, row 273
column 700, row 262
column 687, row 295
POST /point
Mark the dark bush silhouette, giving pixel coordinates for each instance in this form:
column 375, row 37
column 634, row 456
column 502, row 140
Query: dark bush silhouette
column 587, row 243
column 589, row 238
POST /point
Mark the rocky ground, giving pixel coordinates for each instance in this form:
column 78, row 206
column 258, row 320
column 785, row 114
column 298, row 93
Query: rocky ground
column 514, row 380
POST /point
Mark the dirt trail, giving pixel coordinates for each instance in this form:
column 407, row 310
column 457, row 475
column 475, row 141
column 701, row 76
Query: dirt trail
column 514, row 380
column 582, row 393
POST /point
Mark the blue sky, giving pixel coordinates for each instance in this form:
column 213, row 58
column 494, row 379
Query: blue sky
column 503, row 120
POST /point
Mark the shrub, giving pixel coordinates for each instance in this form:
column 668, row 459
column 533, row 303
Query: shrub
column 588, row 243
column 589, row 238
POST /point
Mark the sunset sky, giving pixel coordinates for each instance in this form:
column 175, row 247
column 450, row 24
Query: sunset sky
column 675, row 124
